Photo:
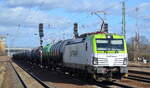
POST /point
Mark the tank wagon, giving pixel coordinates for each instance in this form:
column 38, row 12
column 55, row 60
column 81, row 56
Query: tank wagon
column 46, row 50
column 53, row 54
column 35, row 55
column 25, row 55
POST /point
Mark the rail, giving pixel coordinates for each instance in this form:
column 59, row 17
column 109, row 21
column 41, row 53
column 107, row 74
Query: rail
column 37, row 79
column 24, row 85
column 140, row 72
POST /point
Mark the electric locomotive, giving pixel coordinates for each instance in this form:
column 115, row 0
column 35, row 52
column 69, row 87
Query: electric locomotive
column 102, row 55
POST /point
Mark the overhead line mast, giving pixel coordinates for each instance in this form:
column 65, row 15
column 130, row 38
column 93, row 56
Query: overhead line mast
column 137, row 39
column 123, row 20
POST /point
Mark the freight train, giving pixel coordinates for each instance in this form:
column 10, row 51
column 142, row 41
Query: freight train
column 101, row 56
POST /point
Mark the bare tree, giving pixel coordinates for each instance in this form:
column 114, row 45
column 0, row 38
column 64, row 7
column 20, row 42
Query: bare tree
column 138, row 47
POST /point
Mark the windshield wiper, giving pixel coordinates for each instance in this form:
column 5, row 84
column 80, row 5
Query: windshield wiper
column 116, row 51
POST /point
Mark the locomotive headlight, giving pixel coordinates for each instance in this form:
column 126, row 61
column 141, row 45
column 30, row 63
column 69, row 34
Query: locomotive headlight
column 95, row 61
column 125, row 62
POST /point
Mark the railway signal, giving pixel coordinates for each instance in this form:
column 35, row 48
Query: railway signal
column 41, row 35
column 75, row 30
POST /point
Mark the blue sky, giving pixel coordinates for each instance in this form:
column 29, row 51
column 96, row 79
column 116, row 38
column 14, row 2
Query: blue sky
column 19, row 19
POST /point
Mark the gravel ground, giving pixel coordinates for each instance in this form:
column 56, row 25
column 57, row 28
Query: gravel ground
column 139, row 69
column 2, row 73
column 136, row 83
column 4, row 58
column 138, row 64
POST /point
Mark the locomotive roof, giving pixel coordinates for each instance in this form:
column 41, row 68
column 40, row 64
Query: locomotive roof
column 103, row 35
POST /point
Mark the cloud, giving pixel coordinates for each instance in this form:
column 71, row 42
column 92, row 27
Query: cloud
column 47, row 4
column 68, row 5
column 144, row 7
column 19, row 37
column 29, row 18
column 142, row 16
column 114, row 7
column 142, row 12
column 21, row 18
column 22, row 23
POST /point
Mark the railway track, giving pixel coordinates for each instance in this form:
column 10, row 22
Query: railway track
column 103, row 84
column 140, row 66
column 140, row 72
column 139, row 76
column 43, row 85
column 11, row 76
column 119, row 84
column 18, row 77
column 90, row 84
column 116, row 84
column 24, row 85
column 122, row 84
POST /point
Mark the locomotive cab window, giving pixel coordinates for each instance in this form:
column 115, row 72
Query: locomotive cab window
column 117, row 44
column 109, row 44
column 102, row 44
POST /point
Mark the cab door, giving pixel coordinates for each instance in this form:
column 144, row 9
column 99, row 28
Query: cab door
column 88, row 52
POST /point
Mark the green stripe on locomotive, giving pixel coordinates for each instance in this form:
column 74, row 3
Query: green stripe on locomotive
column 104, row 36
